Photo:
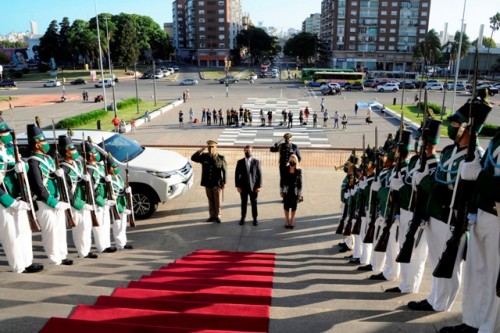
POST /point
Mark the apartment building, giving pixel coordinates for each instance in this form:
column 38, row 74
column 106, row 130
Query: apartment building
column 373, row 35
column 312, row 24
column 205, row 30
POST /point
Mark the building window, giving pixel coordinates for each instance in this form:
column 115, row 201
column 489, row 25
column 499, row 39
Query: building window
column 354, row 12
column 201, row 12
column 201, row 3
column 394, row 12
column 423, row 22
column 221, row 20
column 393, row 22
column 384, row 12
column 222, row 37
column 381, row 47
column 382, row 30
column 221, row 11
column 222, row 28
column 221, row 3
column 384, row 3
column 353, row 29
column 383, row 21
column 394, row 4
column 424, row 13
column 382, row 39
column 425, row 4
column 352, row 38
column 391, row 48
column 353, row 21
column 202, row 45
column 202, row 37
column 392, row 31
column 392, row 39
column 354, row 3
column 201, row 20
column 222, row 45
column 202, row 28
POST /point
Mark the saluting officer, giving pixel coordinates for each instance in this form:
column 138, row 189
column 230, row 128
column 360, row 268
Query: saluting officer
column 42, row 176
column 73, row 170
column 15, row 231
column 440, row 187
column 286, row 149
column 213, row 177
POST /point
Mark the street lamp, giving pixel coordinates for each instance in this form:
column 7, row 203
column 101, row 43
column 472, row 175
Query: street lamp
column 110, row 67
column 136, row 89
column 154, row 81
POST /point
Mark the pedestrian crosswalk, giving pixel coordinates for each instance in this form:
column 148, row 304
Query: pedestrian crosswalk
column 255, row 134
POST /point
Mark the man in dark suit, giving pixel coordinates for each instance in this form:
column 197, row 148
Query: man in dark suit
column 248, row 180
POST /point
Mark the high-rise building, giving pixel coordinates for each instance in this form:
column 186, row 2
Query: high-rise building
column 373, row 35
column 312, row 24
column 205, row 31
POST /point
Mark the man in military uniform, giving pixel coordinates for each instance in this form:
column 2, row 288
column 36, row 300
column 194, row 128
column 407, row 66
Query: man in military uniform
column 440, row 188
column 118, row 186
column 286, row 149
column 102, row 233
column 15, row 231
column 73, row 170
column 43, row 178
column 480, row 304
column 348, row 198
column 213, row 177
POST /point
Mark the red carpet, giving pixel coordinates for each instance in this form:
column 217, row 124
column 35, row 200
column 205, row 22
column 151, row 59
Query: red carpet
column 205, row 292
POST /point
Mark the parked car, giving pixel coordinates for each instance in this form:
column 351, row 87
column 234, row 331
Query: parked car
column 354, row 86
column 461, row 86
column 52, row 83
column 380, row 83
column 146, row 76
column 369, row 82
column 159, row 74
column 330, row 88
column 434, row 86
column 492, row 91
column 155, row 175
column 78, row 81
column 188, row 82
column 229, row 79
column 406, row 85
column 389, row 86
column 314, row 84
column 107, row 83
column 8, row 83
column 176, row 69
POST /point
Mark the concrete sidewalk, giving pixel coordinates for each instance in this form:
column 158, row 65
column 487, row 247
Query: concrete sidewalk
column 315, row 289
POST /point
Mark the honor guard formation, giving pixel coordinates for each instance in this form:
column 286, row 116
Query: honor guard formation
column 399, row 211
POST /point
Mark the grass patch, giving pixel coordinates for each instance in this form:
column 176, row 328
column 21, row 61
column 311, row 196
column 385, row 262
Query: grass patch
column 6, row 98
column 217, row 74
column 70, row 75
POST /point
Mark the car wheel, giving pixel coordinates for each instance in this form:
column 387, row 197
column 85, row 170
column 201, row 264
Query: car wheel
column 145, row 203
column 381, row 90
column 394, row 90
column 348, row 89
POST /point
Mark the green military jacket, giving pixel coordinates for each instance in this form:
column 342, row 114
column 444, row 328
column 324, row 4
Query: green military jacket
column 76, row 186
column 383, row 192
column 42, row 179
column 214, row 169
column 119, row 189
column 97, row 174
column 404, row 193
column 8, row 177
column 488, row 181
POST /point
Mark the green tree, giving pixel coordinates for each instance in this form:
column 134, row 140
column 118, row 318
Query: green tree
column 303, row 46
column 13, row 45
column 487, row 42
column 452, row 46
column 258, row 43
column 127, row 42
column 49, row 44
column 83, row 42
column 64, row 45
column 429, row 49
column 494, row 25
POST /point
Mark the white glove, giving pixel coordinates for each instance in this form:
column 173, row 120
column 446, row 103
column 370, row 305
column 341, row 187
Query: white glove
column 87, row 207
column 107, row 178
column 376, row 186
column 86, row 177
column 353, row 192
column 110, row 203
column 128, row 189
column 20, row 167
column 20, row 205
column 61, row 205
column 363, row 184
column 346, row 195
column 470, row 170
column 396, row 183
column 418, row 176
column 60, row 173
column 472, row 218
column 127, row 211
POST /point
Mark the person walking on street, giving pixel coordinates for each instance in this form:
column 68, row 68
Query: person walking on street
column 291, row 190
column 306, row 114
column 181, row 119
column 344, row 122
column 213, row 177
column 336, row 120
column 301, row 117
column 356, row 107
column 209, row 118
column 269, row 118
column 116, row 124
column 322, row 104
column 221, row 117
column 315, row 119
column 132, row 125
column 283, row 116
column 262, row 118
column 203, row 115
column 248, row 181
column 191, row 116
column 415, row 99
column 325, row 118
column 290, row 119
column 147, row 115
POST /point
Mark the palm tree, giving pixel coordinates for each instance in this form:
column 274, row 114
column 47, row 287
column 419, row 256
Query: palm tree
column 494, row 25
column 428, row 49
column 452, row 46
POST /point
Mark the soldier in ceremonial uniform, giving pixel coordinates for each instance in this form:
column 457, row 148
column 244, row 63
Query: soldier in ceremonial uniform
column 412, row 272
column 348, row 199
column 286, row 149
column 42, row 176
column 440, row 188
column 15, row 231
column 73, row 170
column 480, row 304
column 213, row 177
column 97, row 173
column 118, row 185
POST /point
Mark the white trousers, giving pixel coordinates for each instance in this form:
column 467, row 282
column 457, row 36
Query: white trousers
column 102, row 233
column 82, row 232
column 392, row 268
column 358, row 246
column 120, row 232
column 443, row 291
column 15, row 236
column 412, row 272
column 53, row 223
column 480, row 305
column 378, row 258
column 366, row 249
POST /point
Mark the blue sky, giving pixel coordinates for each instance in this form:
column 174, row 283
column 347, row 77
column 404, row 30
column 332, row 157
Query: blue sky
column 278, row 13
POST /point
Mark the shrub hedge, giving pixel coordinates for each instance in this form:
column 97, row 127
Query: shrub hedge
column 81, row 119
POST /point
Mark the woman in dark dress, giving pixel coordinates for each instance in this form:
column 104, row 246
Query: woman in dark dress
column 291, row 192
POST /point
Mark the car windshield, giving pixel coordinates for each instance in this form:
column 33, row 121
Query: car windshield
column 122, row 147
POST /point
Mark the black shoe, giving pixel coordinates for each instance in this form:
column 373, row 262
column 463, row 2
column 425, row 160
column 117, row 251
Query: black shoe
column 33, row 268
column 355, row 261
column 287, row 226
column 348, row 257
column 420, row 306
column 463, row 328
column 109, row 249
column 128, row 247
column 217, row 219
column 365, row 268
column 379, row 277
column 393, row 290
column 255, row 222
column 91, row 255
column 242, row 221
column 67, row 262
column 291, row 226
column 210, row 219
column 341, row 244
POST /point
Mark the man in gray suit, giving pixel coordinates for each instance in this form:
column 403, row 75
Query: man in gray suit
column 248, row 180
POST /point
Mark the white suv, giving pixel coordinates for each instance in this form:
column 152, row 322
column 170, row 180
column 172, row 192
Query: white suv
column 390, row 86
column 155, row 175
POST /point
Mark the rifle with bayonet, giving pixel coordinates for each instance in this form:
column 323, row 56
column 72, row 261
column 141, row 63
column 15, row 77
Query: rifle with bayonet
column 110, row 192
column 24, row 188
column 130, row 203
column 61, row 183
column 373, row 201
column 89, row 189
column 356, row 229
